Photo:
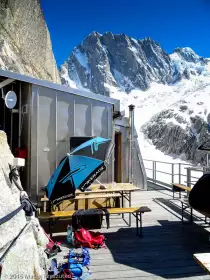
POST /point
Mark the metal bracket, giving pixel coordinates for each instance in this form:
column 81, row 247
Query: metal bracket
column 25, row 109
column 6, row 83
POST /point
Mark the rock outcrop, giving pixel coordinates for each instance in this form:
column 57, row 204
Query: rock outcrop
column 179, row 133
column 25, row 44
column 26, row 259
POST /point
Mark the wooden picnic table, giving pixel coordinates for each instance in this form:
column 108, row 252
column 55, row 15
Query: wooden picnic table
column 203, row 260
column 118, row 187
column 124, row 189
column 115, row 189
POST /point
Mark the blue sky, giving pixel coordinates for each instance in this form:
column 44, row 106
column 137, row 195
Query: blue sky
column 172, row 23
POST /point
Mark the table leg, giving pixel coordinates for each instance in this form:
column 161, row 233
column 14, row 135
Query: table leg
column 45, row 206
column 50, row 223
column 140, row 215
column 76, row 204
column 122, row 203
column 191, row 215
column 86, row 203
column 49, row 206
column 182, row 213
column 137, row 225
column 129, row 206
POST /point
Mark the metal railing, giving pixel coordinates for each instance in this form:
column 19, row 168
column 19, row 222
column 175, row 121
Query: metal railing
column 167, row 173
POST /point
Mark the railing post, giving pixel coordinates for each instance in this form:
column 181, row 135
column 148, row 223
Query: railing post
column 154, row 171
column 172, row 173
column 180, row 177
column 189, row 177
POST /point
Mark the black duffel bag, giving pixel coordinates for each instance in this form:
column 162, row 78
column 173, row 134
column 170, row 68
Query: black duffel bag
column 89, row 219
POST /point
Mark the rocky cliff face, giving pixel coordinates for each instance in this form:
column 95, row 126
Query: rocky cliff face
column 104, row 63
column 25, row 44
column 26, row 258
column 173, row 134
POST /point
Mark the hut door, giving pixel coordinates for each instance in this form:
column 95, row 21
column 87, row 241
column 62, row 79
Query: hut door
column 118, row 158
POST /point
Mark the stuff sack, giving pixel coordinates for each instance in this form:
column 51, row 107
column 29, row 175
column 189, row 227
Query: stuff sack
column 89, row 219
column 89, row 239
column 199, row 196
column 75, row 269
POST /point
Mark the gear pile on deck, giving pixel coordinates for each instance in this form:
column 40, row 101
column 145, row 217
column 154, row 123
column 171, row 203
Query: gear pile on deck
column 76, row 267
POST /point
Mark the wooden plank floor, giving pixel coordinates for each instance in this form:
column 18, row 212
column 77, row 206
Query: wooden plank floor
column 166, row 250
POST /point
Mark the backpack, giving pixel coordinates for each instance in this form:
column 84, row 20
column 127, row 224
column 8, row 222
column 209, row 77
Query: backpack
column 82, row 258
column 89, row 239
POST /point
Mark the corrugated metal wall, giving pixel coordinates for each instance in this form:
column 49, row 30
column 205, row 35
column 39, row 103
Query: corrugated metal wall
column 57, row 116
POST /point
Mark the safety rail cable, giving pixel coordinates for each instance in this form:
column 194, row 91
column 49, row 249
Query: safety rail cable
column 12, row 243
column 11, row 215
column 26, row 205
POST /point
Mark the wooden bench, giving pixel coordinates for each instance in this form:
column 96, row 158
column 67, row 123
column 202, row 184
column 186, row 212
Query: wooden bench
column 135, row 211
column 203, row 260
column 186, row 205
column 179, row 188
column 184, row 201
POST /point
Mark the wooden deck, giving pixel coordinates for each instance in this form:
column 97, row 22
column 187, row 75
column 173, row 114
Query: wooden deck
column 166, row 250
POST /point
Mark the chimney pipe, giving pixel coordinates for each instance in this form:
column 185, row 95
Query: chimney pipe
column 131, row 136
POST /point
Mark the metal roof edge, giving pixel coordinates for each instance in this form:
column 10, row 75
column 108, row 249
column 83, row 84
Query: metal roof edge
column 124, row 122
column 44, row 83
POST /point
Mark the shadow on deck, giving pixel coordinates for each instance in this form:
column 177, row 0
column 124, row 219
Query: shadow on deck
column 165, row 251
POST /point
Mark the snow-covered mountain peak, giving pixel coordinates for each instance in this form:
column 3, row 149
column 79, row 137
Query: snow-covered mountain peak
column 102, row 62
column 171, row 92
column 189, row 55
column 185, row 63
column 94, row 34
column 116, row 60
